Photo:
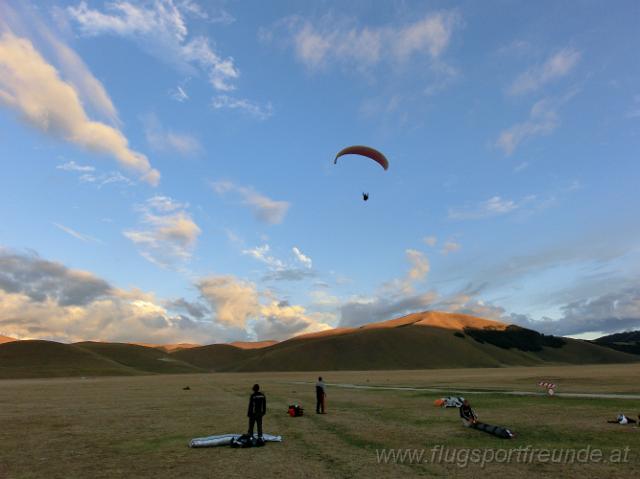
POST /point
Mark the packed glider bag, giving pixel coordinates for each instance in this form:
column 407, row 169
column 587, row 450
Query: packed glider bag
column 226, row 440
column 295, row 410
column 497, row 431
column 449, row 401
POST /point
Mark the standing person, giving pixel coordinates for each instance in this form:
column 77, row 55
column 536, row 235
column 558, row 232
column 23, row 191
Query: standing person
column 321, row 393
column 467, row 414
column 257, row 409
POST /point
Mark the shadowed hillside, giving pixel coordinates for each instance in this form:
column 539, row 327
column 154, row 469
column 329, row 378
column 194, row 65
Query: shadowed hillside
column 628, row 342
column 33, row 359
column 417, row 341
column 214, row 356
column 427, row 340
column 138, row 357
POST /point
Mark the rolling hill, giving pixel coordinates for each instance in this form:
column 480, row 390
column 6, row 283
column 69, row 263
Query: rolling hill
column 628, row 342
column 35, row 359
column 6, row 339
column 422, row 340
column 426, row 340
column 140, row 358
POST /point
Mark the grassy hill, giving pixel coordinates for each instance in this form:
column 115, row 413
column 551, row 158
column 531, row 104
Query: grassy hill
column 628, row 342
column 6, row 339
column 33, row 359
column 141, row 358
column 427, row 340
column 214, row 356
column 418, row 341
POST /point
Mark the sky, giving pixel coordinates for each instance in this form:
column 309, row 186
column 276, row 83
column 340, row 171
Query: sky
column 168, row 174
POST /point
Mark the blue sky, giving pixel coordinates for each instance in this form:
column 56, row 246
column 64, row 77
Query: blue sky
column 167, row 166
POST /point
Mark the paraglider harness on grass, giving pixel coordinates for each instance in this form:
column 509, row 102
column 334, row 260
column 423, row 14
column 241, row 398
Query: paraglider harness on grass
column 449, row 401
column 246, row 440
column 295, row 410
column 470, row 419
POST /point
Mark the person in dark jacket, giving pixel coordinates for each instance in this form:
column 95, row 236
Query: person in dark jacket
column 320, row 396
column 257, row 409
column 467, row 414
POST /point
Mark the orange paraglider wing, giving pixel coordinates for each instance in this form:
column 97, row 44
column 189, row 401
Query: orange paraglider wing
column 367, row 151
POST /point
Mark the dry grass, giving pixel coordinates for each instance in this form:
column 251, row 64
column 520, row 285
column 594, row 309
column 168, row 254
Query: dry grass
column 140, row 426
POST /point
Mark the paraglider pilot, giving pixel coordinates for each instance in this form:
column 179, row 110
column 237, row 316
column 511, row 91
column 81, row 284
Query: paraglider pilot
column 467, row 414
column 257, row 409
column 320, row 396
column 365, row 196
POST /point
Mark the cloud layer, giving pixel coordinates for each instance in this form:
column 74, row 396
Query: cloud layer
column 32, row 87
column 556, row 66
column 167, row 235
column 264, row 208
column 330, row 40
column 160, row 28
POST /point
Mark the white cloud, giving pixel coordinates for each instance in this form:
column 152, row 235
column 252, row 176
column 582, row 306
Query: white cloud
column 520, row 167
column 280, row 320
column 75, row 234
column 323, row 299
column 450, row 247
column 494, row 206
column 89, row 87
column 24, row 20
column 179, row 94
column 334, row 40
column 41, row 299
column 168, row 234
column 73, row 166
column 162, row 139
column 280, row 270
column 264, row 208
column 226, row 102
column 557, row 66
column 33, row 88
column 430, row 240
column 160, row 28
column 419, row 265
column 360, row 311
column 305, row 260
column 419, row 268
column 88, row 174
column 233, row 301
column 261, row 253
column 543, row 119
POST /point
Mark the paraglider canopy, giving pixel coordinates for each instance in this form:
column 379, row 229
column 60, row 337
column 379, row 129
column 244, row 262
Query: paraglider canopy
column 367, row 151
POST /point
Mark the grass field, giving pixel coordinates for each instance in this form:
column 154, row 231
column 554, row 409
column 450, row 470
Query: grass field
column 140, row 426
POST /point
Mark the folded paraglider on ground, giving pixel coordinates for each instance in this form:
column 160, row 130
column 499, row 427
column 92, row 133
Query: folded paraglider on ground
column 470, row 419
column 449, row 401
column 622, row 419
column 233, row 440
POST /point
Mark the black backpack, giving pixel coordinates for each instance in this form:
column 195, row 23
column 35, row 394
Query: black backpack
column 246, row 440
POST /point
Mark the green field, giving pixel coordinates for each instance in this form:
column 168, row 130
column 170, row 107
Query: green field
column 140, row 426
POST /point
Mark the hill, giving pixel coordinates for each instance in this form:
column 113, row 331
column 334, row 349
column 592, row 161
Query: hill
column 34, row 359
column 628, row 342
column 253, row 344
column 168, row 348
column 427, row 340
column 417, row 341
column 6, row 339
column 140, row 358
